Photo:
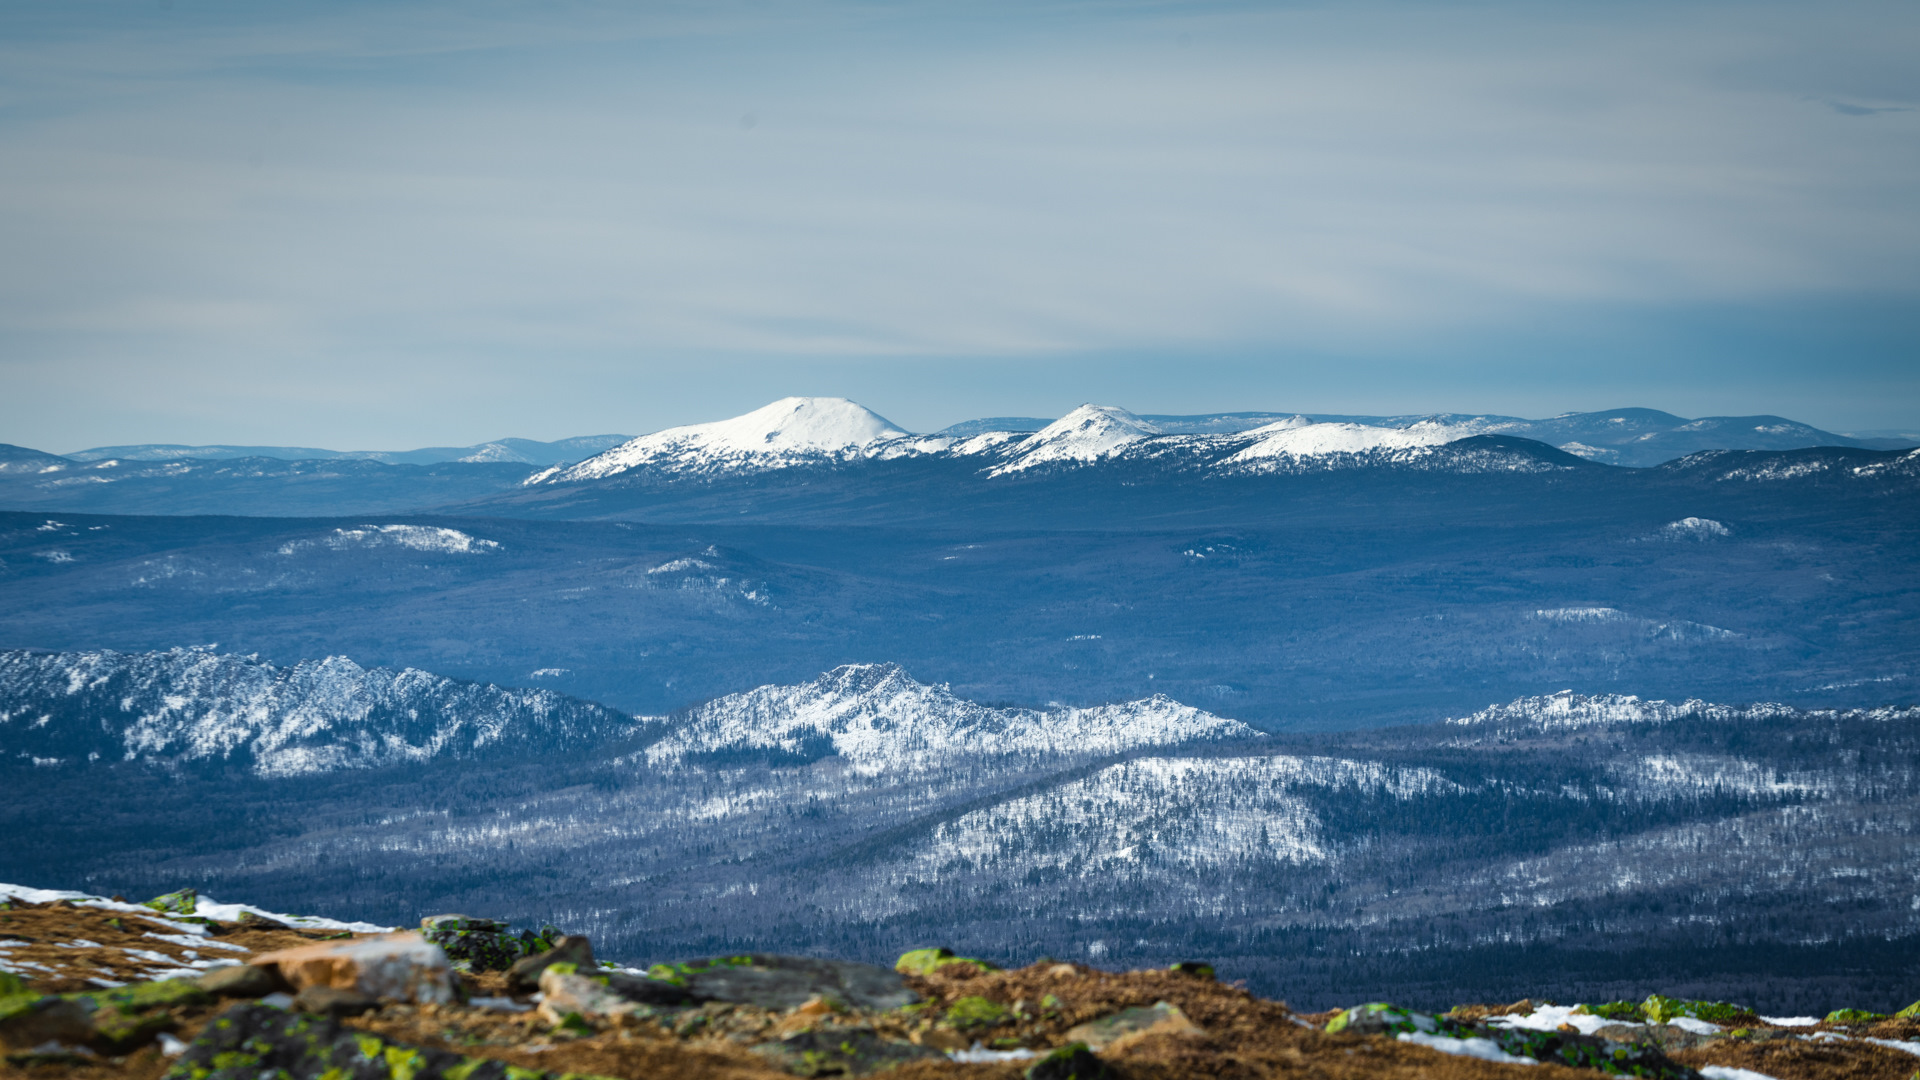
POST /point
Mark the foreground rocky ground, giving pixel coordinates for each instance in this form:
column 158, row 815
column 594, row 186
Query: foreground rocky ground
column 103, row 989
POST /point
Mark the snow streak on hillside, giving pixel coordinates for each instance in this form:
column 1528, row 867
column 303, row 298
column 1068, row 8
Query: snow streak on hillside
column 195, row 705
column 878, row 719
column 1568, row 711
column 1189, row 813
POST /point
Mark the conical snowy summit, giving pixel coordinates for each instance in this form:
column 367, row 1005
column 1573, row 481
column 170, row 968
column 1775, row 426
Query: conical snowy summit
column 790, row 431
column 1086, row 434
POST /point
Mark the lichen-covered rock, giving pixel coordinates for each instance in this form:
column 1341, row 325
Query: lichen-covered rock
column 1193, row 968
column 395, row 967
column 1623, row 1011
column 1130, row 1025
column 839, row 1051
column 573, row 949
column 928, row 961
column 184, row 902
column 1381, row 1018
column 251, row 1041
column 783, row 982
column 1911, row 1012
column 968, row 1013
column 1071, row 1062
column 11, row 984
column 1854, row 1016
column 113, row 1020
column 485, row 944
column 1661, row 1009
column 1558, row 1047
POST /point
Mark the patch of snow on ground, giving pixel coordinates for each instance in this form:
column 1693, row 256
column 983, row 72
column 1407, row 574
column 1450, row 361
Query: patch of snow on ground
column 1484, row 1049
column 980, row 1055
column 412, row 537
column 1896, row 1044
column 1728, row 1072
column 1695, row 528
column 1550, row 1017
column 206, row 908
column 1790, row 1021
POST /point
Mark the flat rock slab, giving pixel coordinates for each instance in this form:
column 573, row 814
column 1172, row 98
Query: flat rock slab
column 395, row 967
column 1133, row 1024
column 250, row 1041
column 782, row 982
column 831, row 1051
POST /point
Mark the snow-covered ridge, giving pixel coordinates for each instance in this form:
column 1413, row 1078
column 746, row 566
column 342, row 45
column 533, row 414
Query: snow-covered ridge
column 795, row 432
column 1568, row 711
column 195, row 705
column 877, row 718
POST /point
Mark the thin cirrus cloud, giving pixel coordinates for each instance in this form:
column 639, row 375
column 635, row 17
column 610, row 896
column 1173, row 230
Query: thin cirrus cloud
column 219, row 218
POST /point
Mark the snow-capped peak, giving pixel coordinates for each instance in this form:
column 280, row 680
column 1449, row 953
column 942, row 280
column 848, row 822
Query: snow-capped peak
column 783, row 433
column 1088, row 433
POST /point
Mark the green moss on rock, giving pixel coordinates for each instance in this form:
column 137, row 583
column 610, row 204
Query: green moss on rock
column 928, row 961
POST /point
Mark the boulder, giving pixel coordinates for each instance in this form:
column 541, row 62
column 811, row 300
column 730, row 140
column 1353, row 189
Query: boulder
column 783, row 982
column 837, row 1051
column 1071, row 1062
column 524, row 976
column 1854, row 1016
column 397, row 967
column 243, row 981
column 253, row 920
column 1193, row 968
column 27, row 1021
column 484, row 944
column 250, row 1041
column 1911, row 1012
column 1131, row 1025
column 566, row 995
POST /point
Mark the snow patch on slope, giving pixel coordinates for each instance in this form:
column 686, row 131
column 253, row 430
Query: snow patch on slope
column 877, row 718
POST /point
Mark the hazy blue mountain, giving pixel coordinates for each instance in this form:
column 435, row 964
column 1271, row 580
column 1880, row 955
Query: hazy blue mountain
column 516, row 451
column 1286, row 599
column 1632, row 437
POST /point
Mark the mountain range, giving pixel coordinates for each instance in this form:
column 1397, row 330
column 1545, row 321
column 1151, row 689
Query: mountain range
column 1613, row 840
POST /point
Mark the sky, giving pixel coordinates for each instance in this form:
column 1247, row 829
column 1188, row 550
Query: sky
column 398, row 224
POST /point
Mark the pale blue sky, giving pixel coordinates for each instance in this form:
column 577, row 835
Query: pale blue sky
column 394, row 224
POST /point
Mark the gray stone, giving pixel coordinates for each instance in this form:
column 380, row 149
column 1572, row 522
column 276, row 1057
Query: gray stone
column 333, row 1002
column 243, row 981
column 1071, row 1062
